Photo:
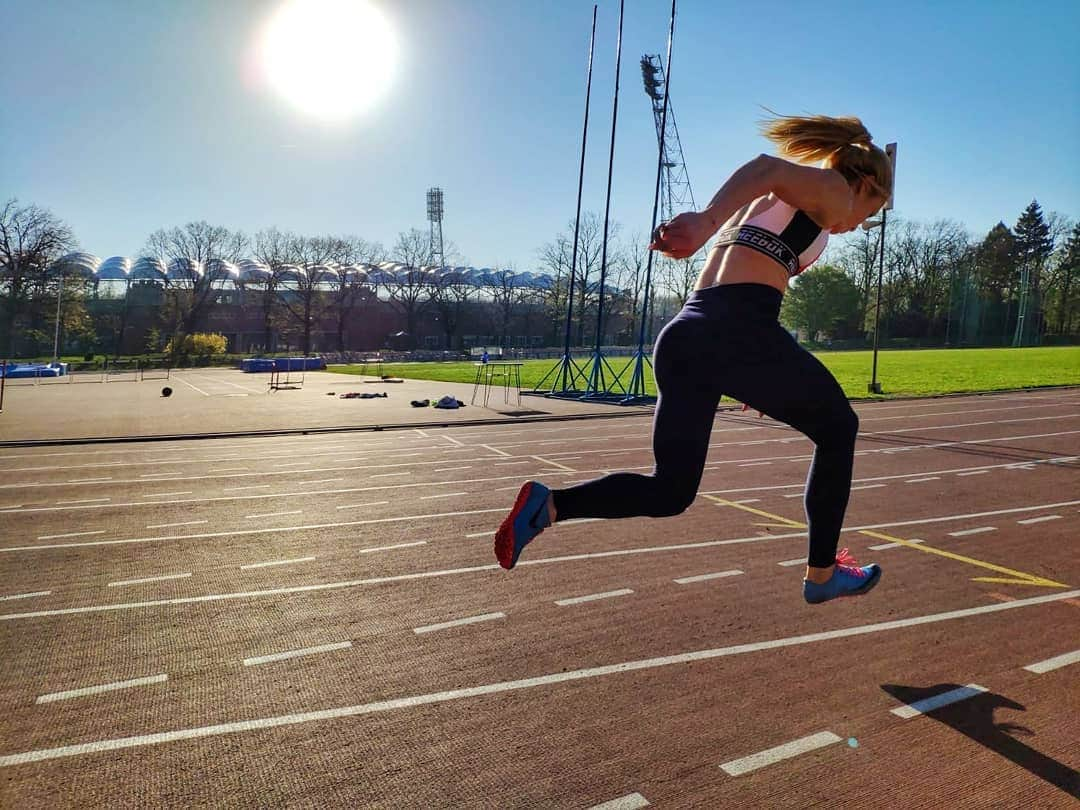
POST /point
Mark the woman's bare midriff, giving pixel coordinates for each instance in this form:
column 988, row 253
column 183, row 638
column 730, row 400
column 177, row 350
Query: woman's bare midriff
column 734, row 264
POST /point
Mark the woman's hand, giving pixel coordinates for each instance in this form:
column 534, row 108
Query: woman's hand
column 683, row 236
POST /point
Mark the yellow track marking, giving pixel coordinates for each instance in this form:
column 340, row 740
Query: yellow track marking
column 1014, row 577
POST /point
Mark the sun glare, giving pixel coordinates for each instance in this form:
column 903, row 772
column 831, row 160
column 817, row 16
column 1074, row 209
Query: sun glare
column 331, row 59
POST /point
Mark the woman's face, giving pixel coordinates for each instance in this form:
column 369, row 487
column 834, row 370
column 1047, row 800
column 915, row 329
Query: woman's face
column 865, row 200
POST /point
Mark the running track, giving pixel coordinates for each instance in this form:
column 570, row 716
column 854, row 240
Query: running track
column 319, row 621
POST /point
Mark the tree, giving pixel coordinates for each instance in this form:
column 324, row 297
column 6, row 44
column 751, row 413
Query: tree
column 1064, row 282
column 1033, row 247
column 351, row 287
column 305, row 294
column 409, row 289
column 31, row 239
column 273, row 248
column 821, row 299
column 194, row 253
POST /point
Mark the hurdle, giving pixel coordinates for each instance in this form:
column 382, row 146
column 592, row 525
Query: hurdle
column 287, row 379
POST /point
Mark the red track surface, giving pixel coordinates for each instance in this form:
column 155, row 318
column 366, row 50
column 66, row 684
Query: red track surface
column 547, row 705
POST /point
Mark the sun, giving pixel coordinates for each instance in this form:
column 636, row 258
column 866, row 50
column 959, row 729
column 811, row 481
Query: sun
column 331, row 59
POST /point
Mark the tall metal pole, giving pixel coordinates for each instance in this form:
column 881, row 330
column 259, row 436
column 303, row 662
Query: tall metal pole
column 567, row 371
column 596, row 379
column 56, row 335
column 636, row 389
column 875, row 386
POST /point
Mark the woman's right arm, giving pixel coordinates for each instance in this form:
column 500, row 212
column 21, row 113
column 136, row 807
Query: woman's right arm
column 823, row 193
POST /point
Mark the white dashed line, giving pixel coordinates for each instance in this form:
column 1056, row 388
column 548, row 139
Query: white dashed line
column 182, row 523
column 274, row 514
column 966, row 532
column 486, row 617
column 474, row 535
column 796, row 561
column 318, row 481
column 592, row 597
column 884, row 546
column 147, row 579
column 276, row 562
column 69, row 534
column 105, row 687
column 451, row 469
column 974, row 472
column 390, row 475
column 703, row 577
column 164, row 494
column 1054, row 663
column 757, row 500
column 84, row 500
column 88, row 480
column 737, row 767
column 282, row 656
column 1043, row 519
column 24, row 595
column 362, row 505
column 446, row 495
column 631, row 801
column 868, row 486
column 238, row 489
column 937, row 701
column 755, row 464
column 923, row 480
column 390, row 548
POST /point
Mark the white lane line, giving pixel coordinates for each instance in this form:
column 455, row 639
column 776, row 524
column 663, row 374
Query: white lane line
column 421, row 433
column 452, row 440
column 318, row 481
column 274, row 514
column 69, row 534
column 161, row 474
column 937, row 701
column 703, row 577
column 24, row 595
column 884, row 546
column 147, row 579
column 390, row 475
column 410, row 701
column 923, row 480
column 795, row 494
column 1042, row 519
column 276, row 562
column 282, row 656
column 163, row 494
column 238, row 489
column 451, row 469
column 755, row 464
column 390, row 548
column 361, row 505
column 496, row 450
column 973, row 472
column 758, row 500
column 555, row 464
column 445, row 495
column 88, row 480
column 576, row 600
column 84, row 500
column 737, row 767
column 181, row 523
column 966, row 532
column 105, row 687
column 230, row 469
column 796, row 561
column 1056, row 662
column 576, row 521
column 631, row 801
column 868, row 486
column 474, row 535
column 485, row 617
column 178, row 378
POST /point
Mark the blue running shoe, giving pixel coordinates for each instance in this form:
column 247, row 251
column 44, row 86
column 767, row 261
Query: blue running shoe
column 847, row 579
column 526, row 520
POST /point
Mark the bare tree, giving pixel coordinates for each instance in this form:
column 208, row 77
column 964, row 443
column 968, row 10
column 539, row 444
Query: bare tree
column 305, row 293
column 409, row 289
column 274, row 249
column 31, row 239
column 586, row 291
column 352, row 288
column 191, row 253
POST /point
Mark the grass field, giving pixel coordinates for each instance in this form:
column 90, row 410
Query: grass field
column 901, row 373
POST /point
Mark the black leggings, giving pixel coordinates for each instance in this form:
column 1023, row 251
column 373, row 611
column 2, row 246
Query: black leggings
column 727, row 340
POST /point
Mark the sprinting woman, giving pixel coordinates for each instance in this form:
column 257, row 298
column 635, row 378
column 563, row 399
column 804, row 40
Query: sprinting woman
column 774, row 218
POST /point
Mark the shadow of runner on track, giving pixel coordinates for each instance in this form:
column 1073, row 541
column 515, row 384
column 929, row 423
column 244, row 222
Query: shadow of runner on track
column 974, row 718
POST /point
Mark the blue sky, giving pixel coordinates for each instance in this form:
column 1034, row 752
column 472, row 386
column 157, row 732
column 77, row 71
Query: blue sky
column 124, row 116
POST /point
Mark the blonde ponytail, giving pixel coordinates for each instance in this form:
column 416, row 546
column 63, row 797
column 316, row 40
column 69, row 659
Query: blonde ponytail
column 843, row 144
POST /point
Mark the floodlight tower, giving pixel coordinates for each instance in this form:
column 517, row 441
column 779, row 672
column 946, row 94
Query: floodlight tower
column 676, row 194
column 435, row 217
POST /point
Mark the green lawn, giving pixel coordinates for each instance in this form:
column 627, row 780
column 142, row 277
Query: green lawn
column 901, row 373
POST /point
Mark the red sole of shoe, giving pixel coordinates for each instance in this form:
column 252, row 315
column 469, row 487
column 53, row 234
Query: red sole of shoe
column 504, row 536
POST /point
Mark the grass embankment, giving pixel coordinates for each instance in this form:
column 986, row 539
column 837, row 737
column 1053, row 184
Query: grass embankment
column 923, row 372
